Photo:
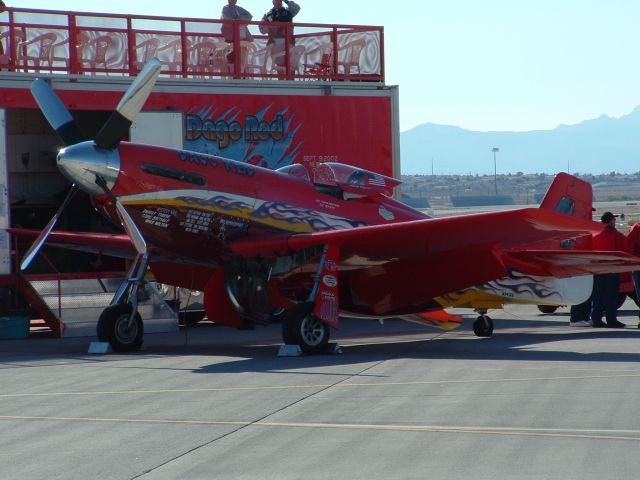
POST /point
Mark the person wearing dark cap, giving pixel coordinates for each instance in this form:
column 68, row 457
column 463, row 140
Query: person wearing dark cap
column 633, row 237
column 606, row 286
column 279, row 14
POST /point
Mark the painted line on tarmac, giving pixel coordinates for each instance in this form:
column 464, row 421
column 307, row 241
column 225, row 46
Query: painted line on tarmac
column 176, row 390
column 327, row 385
column 628, row 435
column 585, row 434
column 158, row 421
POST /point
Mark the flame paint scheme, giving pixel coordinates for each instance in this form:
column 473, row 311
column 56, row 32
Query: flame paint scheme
column 521, row 289
column 316, row 243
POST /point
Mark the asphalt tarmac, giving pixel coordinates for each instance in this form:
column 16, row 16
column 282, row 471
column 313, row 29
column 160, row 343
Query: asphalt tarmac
column 538, row 400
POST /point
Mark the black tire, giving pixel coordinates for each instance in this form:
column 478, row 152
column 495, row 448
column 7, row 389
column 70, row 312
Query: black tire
column 307, row 331
column 483, row 326
column 112, row 328
column 548, row 308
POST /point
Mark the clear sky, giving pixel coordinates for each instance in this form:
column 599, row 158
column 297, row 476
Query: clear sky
column 479, row 64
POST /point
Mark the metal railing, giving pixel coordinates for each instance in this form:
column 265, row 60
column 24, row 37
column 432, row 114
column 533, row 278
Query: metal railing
column 109, row 44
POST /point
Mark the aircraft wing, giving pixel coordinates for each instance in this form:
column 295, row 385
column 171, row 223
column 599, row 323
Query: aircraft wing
column 114, row 245
column 430, row 257
column 428, row 238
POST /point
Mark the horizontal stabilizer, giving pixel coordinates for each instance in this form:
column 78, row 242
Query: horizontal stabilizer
column 570, row 263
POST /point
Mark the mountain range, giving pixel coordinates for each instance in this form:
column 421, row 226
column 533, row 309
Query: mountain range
column 597, row 146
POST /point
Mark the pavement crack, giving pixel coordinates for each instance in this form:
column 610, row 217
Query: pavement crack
column 259, row 420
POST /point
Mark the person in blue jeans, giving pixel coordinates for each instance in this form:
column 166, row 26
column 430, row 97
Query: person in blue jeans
column 607, row 285
column 633, row 237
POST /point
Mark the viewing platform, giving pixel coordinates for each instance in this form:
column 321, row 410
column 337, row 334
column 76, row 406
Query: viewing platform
column 82, row 43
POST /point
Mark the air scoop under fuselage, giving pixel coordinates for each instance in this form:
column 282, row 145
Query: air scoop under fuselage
column 84, row 162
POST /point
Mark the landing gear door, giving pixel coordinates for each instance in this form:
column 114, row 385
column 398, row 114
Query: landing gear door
column 163, row 129
column 5, row 244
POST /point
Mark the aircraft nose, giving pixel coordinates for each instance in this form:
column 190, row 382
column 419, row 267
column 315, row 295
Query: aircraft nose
column 83, row 162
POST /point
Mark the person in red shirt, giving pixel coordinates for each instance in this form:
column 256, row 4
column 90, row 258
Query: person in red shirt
column 633, row 237
column 607, row 285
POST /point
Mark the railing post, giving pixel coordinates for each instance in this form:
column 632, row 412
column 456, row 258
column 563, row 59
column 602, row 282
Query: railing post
column 288, row 35
column 74, row 49
column 16, row 268
column 381, row 53
column 235, row 25
column 131, row 47
column 59, row 282
column 183, row 49
column 11, row 44
column 334, row 56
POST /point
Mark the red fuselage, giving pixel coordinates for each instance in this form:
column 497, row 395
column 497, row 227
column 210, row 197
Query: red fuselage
column 197, row 204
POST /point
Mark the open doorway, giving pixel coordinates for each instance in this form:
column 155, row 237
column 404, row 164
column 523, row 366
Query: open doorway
column 36, row 188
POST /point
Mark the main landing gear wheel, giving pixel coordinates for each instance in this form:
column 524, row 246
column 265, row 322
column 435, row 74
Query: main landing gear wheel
column 114, row 327
column 483, row 326
column 302, row 328
column 547, row 308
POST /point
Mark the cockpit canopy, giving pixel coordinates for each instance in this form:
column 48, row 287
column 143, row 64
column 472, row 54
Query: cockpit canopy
column 347, row 178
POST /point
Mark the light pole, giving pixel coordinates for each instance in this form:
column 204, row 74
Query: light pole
column 495, row 170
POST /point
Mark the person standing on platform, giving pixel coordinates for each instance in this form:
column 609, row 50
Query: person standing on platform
column 232, row 11
column 606, row 286
column 3, row 7
column 281, row 14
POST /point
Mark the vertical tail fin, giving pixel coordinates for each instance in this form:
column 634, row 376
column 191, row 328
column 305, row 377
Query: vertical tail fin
column 570, row 195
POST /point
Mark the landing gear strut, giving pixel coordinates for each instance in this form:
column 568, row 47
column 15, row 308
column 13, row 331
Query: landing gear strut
column 483, row 326
column 300, row 326
column 120, row 323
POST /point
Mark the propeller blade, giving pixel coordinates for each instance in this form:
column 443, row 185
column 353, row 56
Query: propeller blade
column 127, row 222
column 35, row 247
column 132, row 230
column 56, row 113
column 118, row 124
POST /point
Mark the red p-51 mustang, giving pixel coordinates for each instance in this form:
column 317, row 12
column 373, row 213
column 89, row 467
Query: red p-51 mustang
column 316, row 243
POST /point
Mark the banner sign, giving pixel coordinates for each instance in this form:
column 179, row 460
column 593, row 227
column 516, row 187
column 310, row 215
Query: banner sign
column 276, row 131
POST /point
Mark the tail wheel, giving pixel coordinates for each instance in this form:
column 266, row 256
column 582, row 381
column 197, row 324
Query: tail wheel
column 302, row 328
column 114, row 327
column 547, row 308
column 483, row 326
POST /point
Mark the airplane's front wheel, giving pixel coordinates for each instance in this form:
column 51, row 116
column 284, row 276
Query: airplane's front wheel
column 547, row 308
column 302, row 328
column 116, row 327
